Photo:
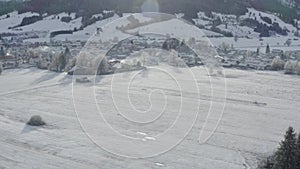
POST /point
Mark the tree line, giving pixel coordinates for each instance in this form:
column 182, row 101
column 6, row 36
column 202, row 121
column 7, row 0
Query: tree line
column 189, row 7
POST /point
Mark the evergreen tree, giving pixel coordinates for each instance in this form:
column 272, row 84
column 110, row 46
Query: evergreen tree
column 298, row 153
column 285, row 156
column 2, row 53
column 268, row 50
column 1, row 68
column 62, row 62
column 165, row 46
column 236, row 38
column 67, row 54
column 257, row 51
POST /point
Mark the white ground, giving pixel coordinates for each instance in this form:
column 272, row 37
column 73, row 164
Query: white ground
column 246, row 132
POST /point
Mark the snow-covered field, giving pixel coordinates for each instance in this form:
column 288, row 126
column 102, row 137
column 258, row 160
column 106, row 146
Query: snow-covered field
column 174, row 116
column 259, row 108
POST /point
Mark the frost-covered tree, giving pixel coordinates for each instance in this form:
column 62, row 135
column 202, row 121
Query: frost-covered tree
column 39, row 64
column 292, row 67
column 54, row 63
column 286, row 154
column 225, row 47
column 60, row 61
column 289, row 67
column 103, row 66
column 277, row 64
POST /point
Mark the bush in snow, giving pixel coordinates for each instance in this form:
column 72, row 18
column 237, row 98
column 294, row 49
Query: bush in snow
column 268, row 163
column 277, row 64
column 36, row 121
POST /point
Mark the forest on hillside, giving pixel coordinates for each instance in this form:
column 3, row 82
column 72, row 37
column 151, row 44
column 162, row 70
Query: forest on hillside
column 188, row 7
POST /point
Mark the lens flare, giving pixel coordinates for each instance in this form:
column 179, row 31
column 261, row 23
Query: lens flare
column 150, row 6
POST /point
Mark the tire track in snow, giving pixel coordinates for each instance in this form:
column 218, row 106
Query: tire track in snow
column 245, row 164
column 29, row 89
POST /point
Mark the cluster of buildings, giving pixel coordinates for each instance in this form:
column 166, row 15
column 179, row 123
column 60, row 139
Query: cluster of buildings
column 16, row 54
column 131, row 46
column 245, row 59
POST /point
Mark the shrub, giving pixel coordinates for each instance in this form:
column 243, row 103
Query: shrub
column 36, row 121
column 268, row 163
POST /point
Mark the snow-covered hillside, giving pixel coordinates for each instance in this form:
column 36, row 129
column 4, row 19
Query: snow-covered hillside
column 229, row 23
column 14, row 19
column 49, row 23
column 9, row 24
column 232, row 23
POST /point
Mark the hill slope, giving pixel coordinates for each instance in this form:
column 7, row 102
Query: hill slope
column 190, row 7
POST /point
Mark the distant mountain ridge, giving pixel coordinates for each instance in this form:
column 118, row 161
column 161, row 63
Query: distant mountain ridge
column 229, row 18
column 287, row 9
